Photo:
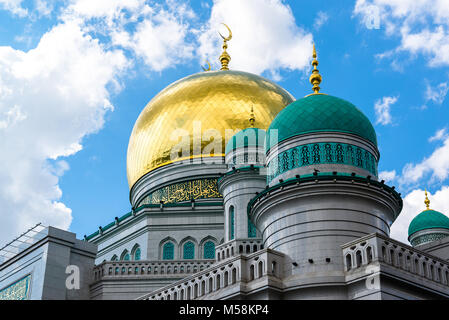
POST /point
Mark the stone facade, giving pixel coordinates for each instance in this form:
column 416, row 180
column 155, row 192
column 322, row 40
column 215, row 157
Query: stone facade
column 44, row 264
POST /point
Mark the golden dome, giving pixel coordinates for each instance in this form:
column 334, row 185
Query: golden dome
column 220, row 100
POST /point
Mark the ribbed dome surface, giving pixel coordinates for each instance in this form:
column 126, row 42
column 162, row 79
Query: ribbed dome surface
column 320, row 113
column 428, row 219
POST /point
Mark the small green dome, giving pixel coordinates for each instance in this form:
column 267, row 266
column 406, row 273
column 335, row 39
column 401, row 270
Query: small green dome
column 249, row 137
column 428, row 219
column 320, row 113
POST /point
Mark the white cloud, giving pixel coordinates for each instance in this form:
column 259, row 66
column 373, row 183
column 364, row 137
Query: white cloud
column 423, row 26
column 157, row 34
column 382, row 108
column 320, row 20
column 265, row 36
column 50, row 98
column 14, row 6
column 159, row 40
column 44, row 7
column 436, row 94
column 413, row 205
column 437, row 165
column 388, row 176
column 441, row 134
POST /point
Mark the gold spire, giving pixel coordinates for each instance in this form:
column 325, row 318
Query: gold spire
column 225, row 57
column 315, row 78
column 252, row 117
column 427, row 201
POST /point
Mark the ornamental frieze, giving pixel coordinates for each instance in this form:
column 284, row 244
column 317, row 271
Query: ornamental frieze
column 184, row 191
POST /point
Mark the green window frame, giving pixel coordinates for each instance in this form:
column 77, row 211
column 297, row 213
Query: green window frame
column 168, row 251
column 189, row 250
column 231, row 222
column 209, row 250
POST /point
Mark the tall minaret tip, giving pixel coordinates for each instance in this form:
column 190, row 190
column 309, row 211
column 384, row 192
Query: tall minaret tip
column 427, row 201
column 315, row 78
column 225, row 57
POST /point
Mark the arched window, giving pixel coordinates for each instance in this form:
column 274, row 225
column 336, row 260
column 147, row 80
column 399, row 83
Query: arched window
column 168, row 251
column 211, row 285
column 189, row 250
column 217, row 284
column 225, row 279
column 369, row 254
column 136, row 252
column 348, row 262
column 231, row 223
column 114, row 258
column 358, row 258
column 209, row 250
column 125, row 256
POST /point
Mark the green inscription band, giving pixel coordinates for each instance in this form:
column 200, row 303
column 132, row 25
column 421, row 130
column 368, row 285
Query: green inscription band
column 184, row 191
column 19, row 290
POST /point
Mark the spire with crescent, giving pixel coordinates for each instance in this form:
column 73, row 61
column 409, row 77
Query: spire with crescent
column 225, row 57
column 315, row 78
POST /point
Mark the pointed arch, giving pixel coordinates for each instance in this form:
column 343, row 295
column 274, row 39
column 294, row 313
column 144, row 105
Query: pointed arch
column 188, row 248
column 207, row 247
column 167, row 249
column 136, row 252
column 125, row 256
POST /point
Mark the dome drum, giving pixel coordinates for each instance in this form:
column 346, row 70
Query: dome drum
column 246, row 148
column 325, row 152
column 175, row 173
column 428, row 235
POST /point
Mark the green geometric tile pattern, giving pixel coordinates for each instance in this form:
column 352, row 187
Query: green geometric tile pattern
column 319, row 113
column 321, row 153
column 428, row 219
column 209, row 250
column 428, row 238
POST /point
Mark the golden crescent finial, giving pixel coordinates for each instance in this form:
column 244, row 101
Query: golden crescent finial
column 427, row 201
column 230, row 33
column 208, row 67
column 225, row 57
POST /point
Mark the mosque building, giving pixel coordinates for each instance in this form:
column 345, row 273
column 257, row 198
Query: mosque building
column 240, row 191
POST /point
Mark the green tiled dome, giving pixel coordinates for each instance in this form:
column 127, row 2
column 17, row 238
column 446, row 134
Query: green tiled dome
column 254, row 137
column 428, row 219
column 320, row 113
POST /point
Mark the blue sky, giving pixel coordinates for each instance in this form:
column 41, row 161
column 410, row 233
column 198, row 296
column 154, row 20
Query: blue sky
column 75, row 75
